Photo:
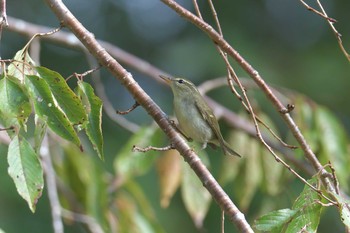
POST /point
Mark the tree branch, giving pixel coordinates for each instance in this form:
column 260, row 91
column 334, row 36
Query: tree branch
column 106, row 60
column 226, row 47
column 51, row 186
column 69, row 40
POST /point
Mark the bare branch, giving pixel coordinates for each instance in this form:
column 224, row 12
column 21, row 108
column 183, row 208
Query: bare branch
column 107, row 105
column 3, row 15
column 51, row 186
column 233, row 119
column 135, row 105
column 149, row 148
column 126, row 79
column 93, row 225
column 317, row 12
column 330, row 22
column 226, row 47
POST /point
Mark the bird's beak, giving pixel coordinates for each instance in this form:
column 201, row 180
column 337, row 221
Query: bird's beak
column 166, row 79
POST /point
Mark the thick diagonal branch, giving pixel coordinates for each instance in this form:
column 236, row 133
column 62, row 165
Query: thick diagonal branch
column 68, row 20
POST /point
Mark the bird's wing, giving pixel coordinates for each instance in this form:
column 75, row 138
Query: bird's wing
column 210, row 118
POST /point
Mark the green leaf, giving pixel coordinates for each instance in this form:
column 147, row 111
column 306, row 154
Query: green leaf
column 93, row 107
column 333, row 144
column 345, row 214
column 46, row 108
column 39, row 132
column 344, row 209
column 85, row 178
column 68, row 101
column 272, row 171
column 196, row 198
column 128, row 163
column 250, row 174
column 130, row 220
column 144, row 206
column 14, row 102
column 304, row 115
column 26, row 171
column 169, row 169
column 22, row 65
column 275, row 220
column 308, row 216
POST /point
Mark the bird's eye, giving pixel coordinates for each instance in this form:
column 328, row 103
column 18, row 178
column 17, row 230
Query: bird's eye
column 180, row 81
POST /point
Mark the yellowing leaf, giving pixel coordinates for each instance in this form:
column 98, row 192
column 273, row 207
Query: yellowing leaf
column 196, row 198
column 169, row 168
column 93, row 107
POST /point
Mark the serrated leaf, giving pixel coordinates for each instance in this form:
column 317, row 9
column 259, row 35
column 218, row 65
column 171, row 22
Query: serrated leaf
column 169, row 168
column 46, row 108
column 22, row 65
column 275, row 220
column 308, row 216
column 14, row 102
column 26, row 171
column 344, row 209
column 129, row 163
column 68, row 101
column 334, row 143
column 93, row 107
column 196, row 198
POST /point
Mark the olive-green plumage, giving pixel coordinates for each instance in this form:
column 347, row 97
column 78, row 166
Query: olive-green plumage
column 196, row 119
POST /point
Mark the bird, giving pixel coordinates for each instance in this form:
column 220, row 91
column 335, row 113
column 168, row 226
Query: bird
column 195, row 118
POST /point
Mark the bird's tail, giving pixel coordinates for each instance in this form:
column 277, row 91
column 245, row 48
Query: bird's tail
column 228, row 150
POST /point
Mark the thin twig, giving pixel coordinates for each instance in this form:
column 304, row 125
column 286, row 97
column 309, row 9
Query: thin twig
column 259, row 135
column 69, row 40
column 336, row 33
column 225, row 46
column 330, row 22
column 107, row 105
column 51, row 186
column 149, row 148
column 8, row 128
column 91, row 222
column 135, row 105
column 196, row 8
column 317, row 12
column 230, row 71
column 3, row 17
column 222, row 222
column 80, row 77
column 238, row 122
column 3, row 14
column 126, row 79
